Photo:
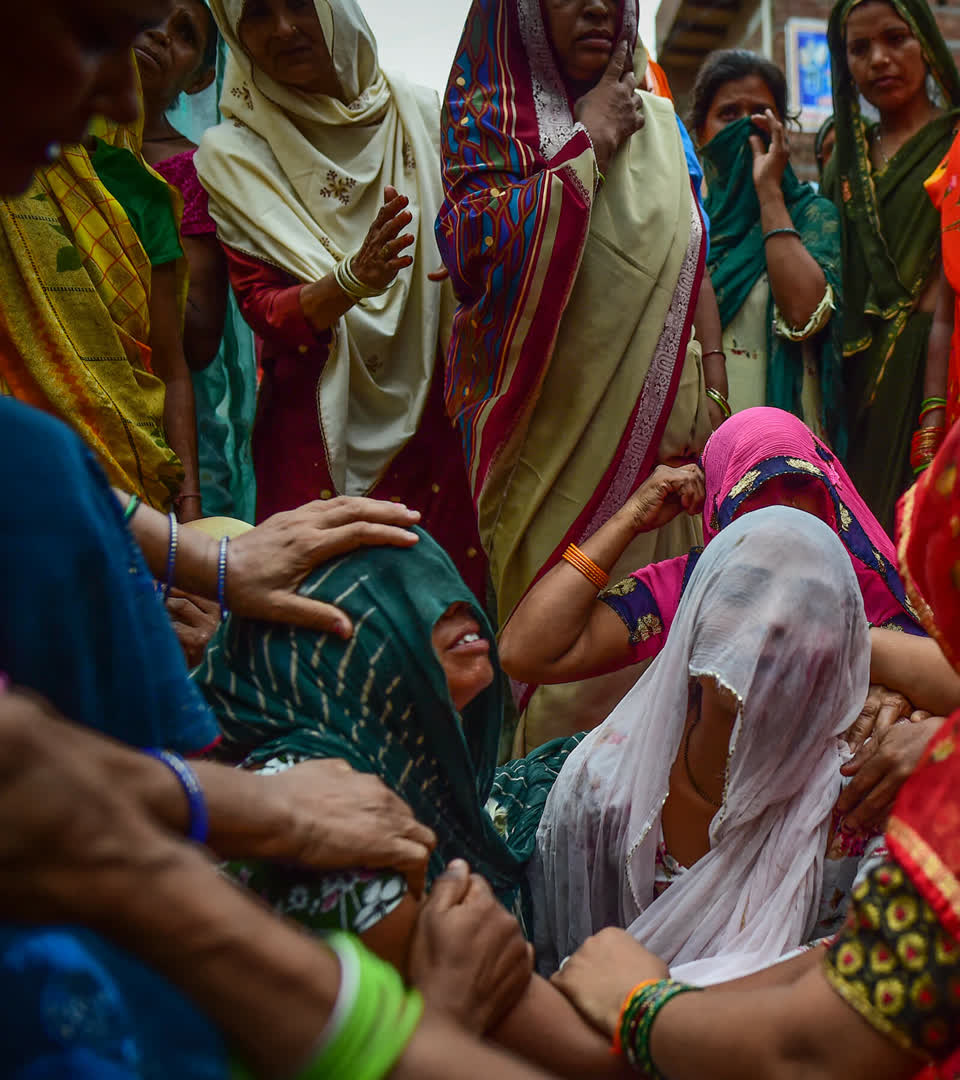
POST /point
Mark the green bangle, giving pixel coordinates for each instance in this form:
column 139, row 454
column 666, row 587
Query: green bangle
column 131, row 507
column 931, row 403
column 720, row 400
column 372, row 1022
column 637, row 1022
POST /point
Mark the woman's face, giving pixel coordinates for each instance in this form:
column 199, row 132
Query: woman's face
column 583, row 33
column 464, row 654
column 170, row 54
column 749, row 96
column 285, row 40
column 885, row 59
column 826, row 149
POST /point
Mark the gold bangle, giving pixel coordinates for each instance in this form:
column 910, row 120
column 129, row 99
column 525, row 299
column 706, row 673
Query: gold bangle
column 718, row 399
column 576, row 558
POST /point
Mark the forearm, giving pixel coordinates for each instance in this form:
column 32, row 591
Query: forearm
column 938, row 350
column 785, row 973
column 195, row 569
column 437, row 1043
column 710, row 336
column 180, row 426
column 544, row 1027
column 915, row 667
column 555, row 614
column 797, row 282
column 324, row 302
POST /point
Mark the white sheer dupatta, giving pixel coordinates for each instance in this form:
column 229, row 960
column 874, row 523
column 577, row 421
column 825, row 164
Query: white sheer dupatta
column 774, row 613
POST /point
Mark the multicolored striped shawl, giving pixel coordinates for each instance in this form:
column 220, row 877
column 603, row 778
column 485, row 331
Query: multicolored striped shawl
column 575, row 297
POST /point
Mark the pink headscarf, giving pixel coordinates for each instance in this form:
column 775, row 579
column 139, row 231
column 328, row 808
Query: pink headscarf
column 750, row 449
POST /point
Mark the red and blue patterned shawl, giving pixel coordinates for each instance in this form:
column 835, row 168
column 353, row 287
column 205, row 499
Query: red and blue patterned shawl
column 520, row 187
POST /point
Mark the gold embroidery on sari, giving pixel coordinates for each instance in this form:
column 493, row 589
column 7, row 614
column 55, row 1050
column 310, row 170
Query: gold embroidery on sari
column 622, row 588
column 647, row 626
column 745, row 484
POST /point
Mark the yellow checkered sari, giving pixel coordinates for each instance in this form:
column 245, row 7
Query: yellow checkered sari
column 74, row 304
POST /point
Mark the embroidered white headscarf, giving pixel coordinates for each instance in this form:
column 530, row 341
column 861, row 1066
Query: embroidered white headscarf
column 773, row 612
column 297, row 179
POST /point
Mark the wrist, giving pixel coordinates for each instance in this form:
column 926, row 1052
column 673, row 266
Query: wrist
column 770, row 197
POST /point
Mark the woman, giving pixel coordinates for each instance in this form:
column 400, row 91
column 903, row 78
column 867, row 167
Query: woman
column 92, row 282
column 823, row 145
column 882, row 1002
column 890, row 54
column 179, row 57
column 584, row 240
column 677, row 818
column 775, row 247
column 331, row 265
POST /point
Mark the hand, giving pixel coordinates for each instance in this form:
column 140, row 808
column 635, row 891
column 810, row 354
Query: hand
column 438, row 275
column 664, row 494
column 469, row 958
column 68, row 831
column 266, row 565
column 882, row 709
column 341, row 818
column 612, row 111
column 881, row 767
column 769, row 162
column 379, row 260
column 600, row 974
column 195, row 621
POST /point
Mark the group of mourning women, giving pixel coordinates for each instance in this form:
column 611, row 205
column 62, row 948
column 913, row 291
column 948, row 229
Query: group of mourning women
column 634, row 422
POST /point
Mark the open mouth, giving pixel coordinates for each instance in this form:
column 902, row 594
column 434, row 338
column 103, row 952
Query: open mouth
column 466, row 639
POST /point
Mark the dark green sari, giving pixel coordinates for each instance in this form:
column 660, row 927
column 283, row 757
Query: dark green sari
column 738, row 258
column 891, row 251
column 381, row 703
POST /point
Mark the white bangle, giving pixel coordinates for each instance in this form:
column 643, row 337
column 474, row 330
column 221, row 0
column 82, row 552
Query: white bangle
column 352, row 285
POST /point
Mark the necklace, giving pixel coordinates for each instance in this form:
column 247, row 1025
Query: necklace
column 686, row 764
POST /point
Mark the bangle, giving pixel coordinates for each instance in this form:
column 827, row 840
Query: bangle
column 222, row 578
column 352, row 285
column 576, row 558
column 617, row 1043
column 601, row 179
column 171, row 555
column 931, row 403
column 199, row 824
column 924, row 446
column 184, row 495
column 714, row 352
column 715, row 396
column 131, row 508
column 780, row 232
column 638, row 1014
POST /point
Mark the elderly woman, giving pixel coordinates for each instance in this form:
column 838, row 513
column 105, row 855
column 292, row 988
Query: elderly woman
column 891, row 55
column 331, row 265
column 775, row 247
column 576, row 251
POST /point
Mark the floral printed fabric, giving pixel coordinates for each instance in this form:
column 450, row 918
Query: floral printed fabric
column 897, row 966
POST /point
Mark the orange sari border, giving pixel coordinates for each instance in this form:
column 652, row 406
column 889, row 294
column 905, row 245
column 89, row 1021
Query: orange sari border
column 935, row 881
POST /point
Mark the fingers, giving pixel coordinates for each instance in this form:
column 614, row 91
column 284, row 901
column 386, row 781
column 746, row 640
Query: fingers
column 389, row 194
column 892, row 708
column 338, row 541
column 296, row 610
column 410, row 858
column 863, row 726
column 438, row 275
column 872, row 792
column 450, row 888
column 329, row 513
column 757, row 145
column 618, row 65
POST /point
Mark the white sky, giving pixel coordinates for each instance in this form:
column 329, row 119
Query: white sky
column 418, row 38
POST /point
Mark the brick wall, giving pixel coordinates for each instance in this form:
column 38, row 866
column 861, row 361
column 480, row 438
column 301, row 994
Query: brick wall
column 747, row 35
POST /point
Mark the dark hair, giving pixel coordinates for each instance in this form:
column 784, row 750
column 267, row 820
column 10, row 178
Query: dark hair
column 212, row 48
column 728, row 65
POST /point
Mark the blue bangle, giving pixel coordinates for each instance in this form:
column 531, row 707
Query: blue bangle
column 222, row 578
column 171, row 555
column 199, row 824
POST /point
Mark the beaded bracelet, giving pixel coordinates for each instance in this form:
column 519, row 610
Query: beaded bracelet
column 131, row 508
column 593, row 573
column 637, row 1017
column 171, row 555
column 222, row 578
column 372, row 1022
column 199, row 822
column 780, row 232
column 718, row 398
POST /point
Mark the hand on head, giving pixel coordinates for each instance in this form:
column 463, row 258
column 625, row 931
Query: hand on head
column 666, row 493
column 469, row 957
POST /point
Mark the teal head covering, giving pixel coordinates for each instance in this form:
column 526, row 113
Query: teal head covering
column 378, row 701
column 738, row 258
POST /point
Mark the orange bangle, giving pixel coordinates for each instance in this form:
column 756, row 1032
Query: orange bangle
column 617, row 1047
column 576, row 558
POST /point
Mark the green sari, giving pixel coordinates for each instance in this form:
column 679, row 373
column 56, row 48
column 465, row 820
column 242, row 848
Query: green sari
column 738, row 258
column 891, row 251
column 380, row 702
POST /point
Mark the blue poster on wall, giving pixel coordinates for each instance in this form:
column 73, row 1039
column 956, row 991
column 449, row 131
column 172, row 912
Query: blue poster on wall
column 808, row 71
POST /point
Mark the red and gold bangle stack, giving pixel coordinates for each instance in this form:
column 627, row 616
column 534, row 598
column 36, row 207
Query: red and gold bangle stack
column 924, row 446
column 576, row 558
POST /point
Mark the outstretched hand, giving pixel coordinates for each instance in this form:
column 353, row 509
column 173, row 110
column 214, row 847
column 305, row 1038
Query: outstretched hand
column 380, row 257
column 267, row 564
column 666, row 493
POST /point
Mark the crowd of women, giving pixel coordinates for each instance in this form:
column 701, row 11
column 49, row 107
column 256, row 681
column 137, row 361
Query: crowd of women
column 536, row 396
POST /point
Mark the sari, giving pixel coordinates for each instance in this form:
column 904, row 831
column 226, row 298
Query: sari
column 942, row 188
column 84, row 628
column 75, row 288
column 890, row 252
column 896, row 961
column 381, row 703
column 756, row 893
column 575, row 301
column 296, row 180
column 738, row 261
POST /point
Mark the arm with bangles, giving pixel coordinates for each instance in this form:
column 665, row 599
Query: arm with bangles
column 706, row 320
column 931, row 423
column 561, row 631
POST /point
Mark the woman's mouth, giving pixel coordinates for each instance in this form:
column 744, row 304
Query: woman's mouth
column 471, row 642
column 145, row 54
